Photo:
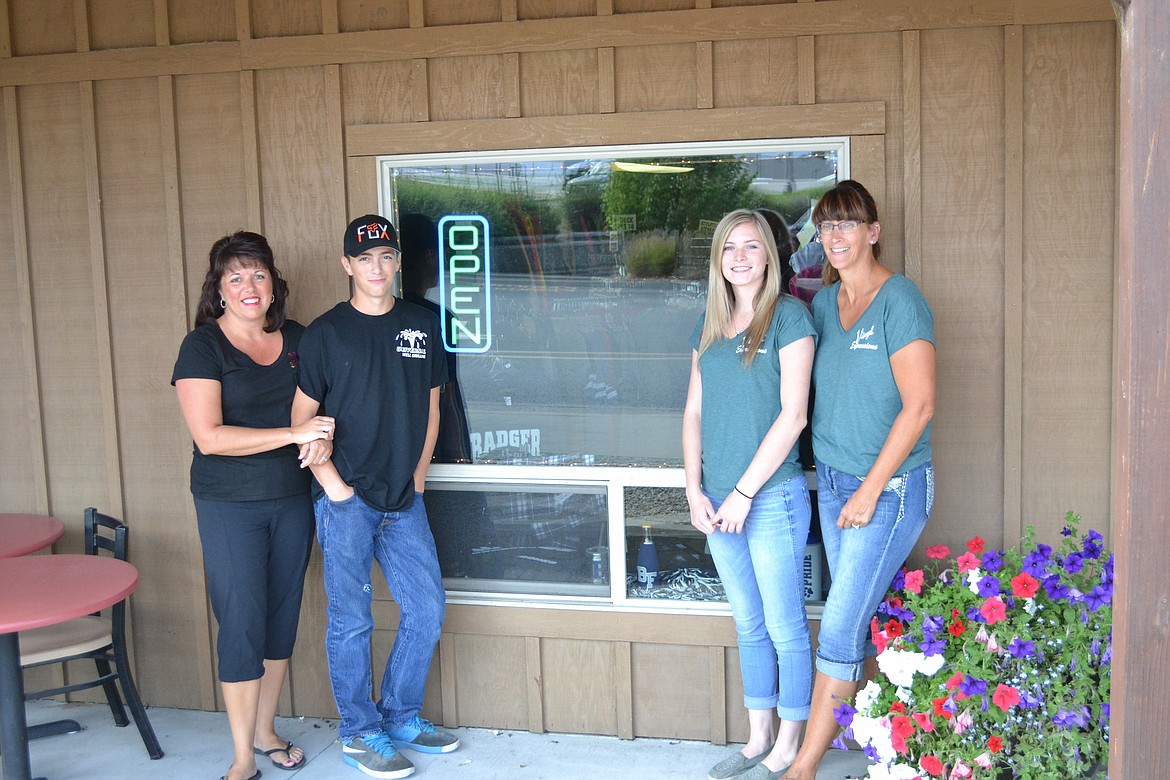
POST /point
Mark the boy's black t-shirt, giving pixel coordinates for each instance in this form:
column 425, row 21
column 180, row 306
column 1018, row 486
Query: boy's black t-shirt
column 251, row 396
column 373, row 375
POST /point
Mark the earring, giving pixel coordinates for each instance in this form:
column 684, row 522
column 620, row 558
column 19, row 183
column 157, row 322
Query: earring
column 222, row 303
column 272, row 299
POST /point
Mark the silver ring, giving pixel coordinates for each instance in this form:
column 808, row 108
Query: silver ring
column 856, row 525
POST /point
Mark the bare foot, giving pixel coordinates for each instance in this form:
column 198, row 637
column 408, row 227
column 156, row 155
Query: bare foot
column 280, row 753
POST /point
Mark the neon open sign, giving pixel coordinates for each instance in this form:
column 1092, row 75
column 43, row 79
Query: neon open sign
column 465, row 283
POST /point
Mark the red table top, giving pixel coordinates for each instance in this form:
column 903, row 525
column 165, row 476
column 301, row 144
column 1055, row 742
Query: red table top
column 39, row 590
column 22, row 534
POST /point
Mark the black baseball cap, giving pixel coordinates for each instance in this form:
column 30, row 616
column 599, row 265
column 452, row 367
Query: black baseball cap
column 369, row 232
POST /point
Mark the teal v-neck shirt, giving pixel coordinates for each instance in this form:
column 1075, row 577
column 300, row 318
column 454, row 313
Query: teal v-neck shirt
column 740, row 403
column 856, row 396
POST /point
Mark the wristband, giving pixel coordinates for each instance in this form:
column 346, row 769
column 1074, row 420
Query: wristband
column 745, row 495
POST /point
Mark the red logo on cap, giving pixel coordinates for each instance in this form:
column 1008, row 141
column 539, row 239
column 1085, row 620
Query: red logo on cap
column 372, row 231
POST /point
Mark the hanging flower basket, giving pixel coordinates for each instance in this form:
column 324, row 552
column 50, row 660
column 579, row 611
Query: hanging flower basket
column 994, row 663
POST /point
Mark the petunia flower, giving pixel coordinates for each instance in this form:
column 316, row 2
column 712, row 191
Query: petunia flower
column 993, row 610
column 994, row 744
column 1005, row 697
column 844, row 713
column 993, row 561
column 988, row 586
column 914, row 581
column 931, row 765
column 967, row 562
column 938, row 552
column 1018, row 648
column 1024, row 585
column 975, row 545
column 924, row 722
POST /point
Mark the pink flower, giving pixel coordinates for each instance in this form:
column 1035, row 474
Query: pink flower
column 923, row 721
column 960, row 770
column 984, row 760
column 993, row 610
column 962, row 722
column 975, row 545
column 1024, row 585
column 931, row 765
column 914, row 581
column 938, row 552
column 1005, row 697
column 954, row 681
column 967, row 562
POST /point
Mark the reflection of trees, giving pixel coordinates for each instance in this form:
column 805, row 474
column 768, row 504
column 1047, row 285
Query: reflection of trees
column 677, row 201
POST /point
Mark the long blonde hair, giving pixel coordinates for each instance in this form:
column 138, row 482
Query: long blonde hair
column 720, row 295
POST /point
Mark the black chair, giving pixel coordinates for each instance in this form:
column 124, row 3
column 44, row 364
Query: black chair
column 100, row 638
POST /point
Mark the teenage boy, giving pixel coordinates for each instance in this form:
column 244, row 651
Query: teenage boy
column 376, row 363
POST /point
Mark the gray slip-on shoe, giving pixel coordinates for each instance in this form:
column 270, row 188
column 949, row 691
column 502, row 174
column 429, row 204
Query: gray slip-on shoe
column 734, row 766
column 762, row 772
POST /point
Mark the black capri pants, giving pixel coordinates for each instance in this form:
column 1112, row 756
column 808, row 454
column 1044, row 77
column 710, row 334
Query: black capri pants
column 255, row 554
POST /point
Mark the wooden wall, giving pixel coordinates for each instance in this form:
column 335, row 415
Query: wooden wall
column 136, row 132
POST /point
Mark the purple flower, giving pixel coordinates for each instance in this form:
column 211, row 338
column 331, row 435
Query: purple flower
column 1066, row 531
column 844, row 714
column 974, row 615
column 993, row 561
column 1066, row 719
column 871, row 753
column 1021, row 649
column 1035, row 561
column 973, row 686
column 899, row 580
column 1030, row 701
column 932, row 646
column 1105, row 710
column 901, row 613
column 1055, row 588
column 1092, row 545
column 1074, row 562
column 989, row 586
column 1097, row 598
column 932, row 624
column 1107, row 656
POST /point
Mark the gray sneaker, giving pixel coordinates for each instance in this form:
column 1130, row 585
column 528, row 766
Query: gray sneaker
column 421, row 735
column 376, row 756
column 734, row 766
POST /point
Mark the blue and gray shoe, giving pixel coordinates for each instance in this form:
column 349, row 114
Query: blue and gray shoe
column 375, row 756
column 421, row 735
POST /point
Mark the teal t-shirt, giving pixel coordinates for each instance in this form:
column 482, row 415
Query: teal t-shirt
column 856, row 397
column 741, row 403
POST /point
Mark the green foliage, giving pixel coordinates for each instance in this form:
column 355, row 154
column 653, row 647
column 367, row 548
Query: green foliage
column 675, row 202
column 793, row 205
column 509, row 214
column 651, row 256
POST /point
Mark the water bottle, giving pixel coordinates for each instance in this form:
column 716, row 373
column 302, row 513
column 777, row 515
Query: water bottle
column 647, row 561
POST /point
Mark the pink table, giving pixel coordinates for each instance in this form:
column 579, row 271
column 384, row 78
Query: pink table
column 22, row 534
column 37, row 591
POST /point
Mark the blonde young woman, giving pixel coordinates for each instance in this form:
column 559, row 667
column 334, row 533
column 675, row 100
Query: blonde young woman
column 746, row 405
column 875, row 381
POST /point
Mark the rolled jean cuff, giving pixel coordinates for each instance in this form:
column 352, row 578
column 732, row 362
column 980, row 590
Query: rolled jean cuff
column 838, row 670
column 793, row 713
column 760, row 702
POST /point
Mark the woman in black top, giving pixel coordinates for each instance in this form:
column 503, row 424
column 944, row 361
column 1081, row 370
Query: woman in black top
column 235, row 377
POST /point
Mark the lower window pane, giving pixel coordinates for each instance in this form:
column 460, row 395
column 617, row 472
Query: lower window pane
column 680, row 567
column 540, row 540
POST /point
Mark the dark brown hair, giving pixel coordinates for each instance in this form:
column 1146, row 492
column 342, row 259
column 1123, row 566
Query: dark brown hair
column 241, row 249
column 848, row 200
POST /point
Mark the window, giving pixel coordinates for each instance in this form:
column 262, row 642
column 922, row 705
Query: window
column 568, row 283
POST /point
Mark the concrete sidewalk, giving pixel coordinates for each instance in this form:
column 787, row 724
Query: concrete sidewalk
column 197, row 747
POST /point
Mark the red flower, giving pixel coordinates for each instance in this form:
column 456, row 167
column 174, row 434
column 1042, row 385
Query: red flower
column 899, row 744
column 954, row 681
column 967, row 562
column 893, row 628
column 931, row 765
column 956, row 628
column 923, row 721
column 880, row 640
column 901, row 726
column 975, row 545
column 914, row 581
column 898, row 707
column 938, row 552
column 1005, row 697
column 1024, row 585
column 994, row 744
column 954, row 612
column 939, row 709
column 993, row 610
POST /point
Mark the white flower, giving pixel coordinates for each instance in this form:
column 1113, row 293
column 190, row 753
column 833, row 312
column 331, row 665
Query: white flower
column 1030, row 606
column 874, row 732
column 893, row 772
column 973, row 578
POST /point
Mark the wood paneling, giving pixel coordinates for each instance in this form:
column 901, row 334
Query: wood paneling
column 554, row 9
column 962, row 275
column 379, row 93
column 207, row 20
column 465, row 87
column 440, row 13
column 755, row 71
column 43, row 27
column 1069, row 179
column 281, row 18
column 559, row 83
column 380, row 15
column 115, row 24
column 579, row 692
column 654, row 78
column 662, row 707
column 490, row 681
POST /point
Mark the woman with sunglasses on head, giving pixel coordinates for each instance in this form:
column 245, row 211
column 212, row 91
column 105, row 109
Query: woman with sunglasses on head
column 236, row 375
column 875, row 383
column 746, row 406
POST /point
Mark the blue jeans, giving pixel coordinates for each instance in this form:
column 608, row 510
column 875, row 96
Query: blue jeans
column 762, row 571
column 352, row 536
column 863, row 561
